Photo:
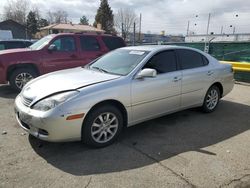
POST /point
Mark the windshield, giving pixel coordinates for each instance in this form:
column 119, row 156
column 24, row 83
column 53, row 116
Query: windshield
column 119, row 62
column 41, row 43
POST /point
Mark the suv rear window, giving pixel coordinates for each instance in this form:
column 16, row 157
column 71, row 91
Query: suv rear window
column 89, row 43
column 113, row 42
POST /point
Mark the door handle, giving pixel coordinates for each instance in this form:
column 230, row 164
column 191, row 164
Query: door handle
column 176, row 79
column 209, row 73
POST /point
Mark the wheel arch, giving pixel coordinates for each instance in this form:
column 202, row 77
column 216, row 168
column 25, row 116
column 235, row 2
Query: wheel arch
column 219, row 85
column 114, row 103
column 14, row 67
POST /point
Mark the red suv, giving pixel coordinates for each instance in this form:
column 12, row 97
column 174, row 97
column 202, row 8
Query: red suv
column 52, row 53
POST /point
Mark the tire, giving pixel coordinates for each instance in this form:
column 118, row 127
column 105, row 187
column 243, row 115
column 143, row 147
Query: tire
column 211, row 100
column 20, row 77
column 96, row 133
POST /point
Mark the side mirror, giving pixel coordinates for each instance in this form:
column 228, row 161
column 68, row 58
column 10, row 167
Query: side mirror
column 146, row 73
column 52, row 47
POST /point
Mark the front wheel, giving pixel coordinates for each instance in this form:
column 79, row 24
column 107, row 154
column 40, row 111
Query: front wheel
column 211, row 100
column 20, row 77
column 102, row 126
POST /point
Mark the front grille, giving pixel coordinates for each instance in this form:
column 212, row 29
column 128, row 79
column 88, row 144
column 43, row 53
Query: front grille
column 26, row 101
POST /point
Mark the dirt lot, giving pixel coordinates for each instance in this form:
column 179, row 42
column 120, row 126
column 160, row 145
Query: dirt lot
column 186, row 149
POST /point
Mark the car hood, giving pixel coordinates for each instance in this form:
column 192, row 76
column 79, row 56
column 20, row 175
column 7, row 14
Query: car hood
column 11, row 51
column 66, row 80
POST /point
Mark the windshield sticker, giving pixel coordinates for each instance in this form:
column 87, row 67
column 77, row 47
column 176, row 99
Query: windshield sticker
column 136, row 52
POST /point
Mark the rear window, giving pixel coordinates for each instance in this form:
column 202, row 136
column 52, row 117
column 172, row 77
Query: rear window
column 190, row 59
column 113, row 42
column 14, row 44
column 89, row 43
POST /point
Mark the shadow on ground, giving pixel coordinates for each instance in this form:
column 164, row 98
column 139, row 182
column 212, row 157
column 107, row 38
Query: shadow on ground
column 7, row 92
column 149, row 142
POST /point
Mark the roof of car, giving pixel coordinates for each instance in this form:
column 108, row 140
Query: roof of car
column 157, row 47
column 16, row 40
column 86, row 33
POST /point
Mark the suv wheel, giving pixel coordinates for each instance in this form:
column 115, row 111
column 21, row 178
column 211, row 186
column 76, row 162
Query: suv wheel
column 102, row 126
column 20, row 77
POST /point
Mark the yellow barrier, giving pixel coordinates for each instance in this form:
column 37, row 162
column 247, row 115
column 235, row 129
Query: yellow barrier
column 238, row 66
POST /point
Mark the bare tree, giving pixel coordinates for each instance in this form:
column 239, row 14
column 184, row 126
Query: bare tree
column 59, row 16
column 125, row 19
column 16, row 10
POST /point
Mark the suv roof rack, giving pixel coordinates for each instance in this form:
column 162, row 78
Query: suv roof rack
column 87, row 32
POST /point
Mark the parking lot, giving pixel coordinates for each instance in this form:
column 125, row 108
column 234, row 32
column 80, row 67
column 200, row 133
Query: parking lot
column 185, row 149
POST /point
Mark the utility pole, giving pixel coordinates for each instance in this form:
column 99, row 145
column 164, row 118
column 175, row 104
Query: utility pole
column 123, row 30
column 140, row 29
column 221, row 30
column 234, row 30
column 206, row 48
column 134, row 36
column 188, row 27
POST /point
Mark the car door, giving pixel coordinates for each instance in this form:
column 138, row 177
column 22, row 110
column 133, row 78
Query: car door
column 63, row 56
column 151, row 97
column 90, row 49
column 196, row 77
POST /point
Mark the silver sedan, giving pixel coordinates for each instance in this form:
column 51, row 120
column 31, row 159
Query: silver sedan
column 123, row 88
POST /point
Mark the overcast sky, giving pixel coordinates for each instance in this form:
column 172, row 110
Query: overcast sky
column 171, row 16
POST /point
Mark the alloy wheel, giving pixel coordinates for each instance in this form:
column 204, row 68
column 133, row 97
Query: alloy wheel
column 104, row 127
column 212, row 99
column 22, row 79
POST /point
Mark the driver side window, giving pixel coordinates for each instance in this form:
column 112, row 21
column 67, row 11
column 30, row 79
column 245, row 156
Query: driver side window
column 65, row 44
column 163, row 62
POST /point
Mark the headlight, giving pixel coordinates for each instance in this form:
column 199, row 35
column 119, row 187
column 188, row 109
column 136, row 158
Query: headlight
column 53, row 101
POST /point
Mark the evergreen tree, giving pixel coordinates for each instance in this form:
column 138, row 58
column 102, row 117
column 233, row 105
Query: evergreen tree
column 42, row 23
column 32, row 23
column 84, row 20
column 105, row 17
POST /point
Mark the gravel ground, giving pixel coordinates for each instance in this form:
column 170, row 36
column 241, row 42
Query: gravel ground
column 185, row 149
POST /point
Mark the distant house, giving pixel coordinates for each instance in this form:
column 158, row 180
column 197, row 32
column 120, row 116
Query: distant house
column 18, row 30
column 68, row 28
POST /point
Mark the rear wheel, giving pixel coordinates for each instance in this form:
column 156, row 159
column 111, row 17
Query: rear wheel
column 20, row 77
column 211, row 100
column 102, row 126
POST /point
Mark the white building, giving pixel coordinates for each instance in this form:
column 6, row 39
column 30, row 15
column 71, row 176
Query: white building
column 6, row 35
column 244, row 37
